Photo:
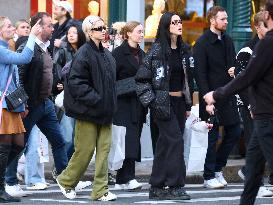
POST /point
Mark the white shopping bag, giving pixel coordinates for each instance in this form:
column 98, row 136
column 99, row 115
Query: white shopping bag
column 117, row 150
column 195, row 144
column 59, row 101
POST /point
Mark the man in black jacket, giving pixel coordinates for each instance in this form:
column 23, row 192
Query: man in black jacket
column 259, row 76
column 214, row 55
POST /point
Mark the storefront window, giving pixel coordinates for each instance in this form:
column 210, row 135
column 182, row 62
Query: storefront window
column 192, row 13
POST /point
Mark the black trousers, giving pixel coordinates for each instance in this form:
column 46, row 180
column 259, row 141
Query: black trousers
column 258, row 152
column 169, row 166
column 127, row 172
column 154, row 132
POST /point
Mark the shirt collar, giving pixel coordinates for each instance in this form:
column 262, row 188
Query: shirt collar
column 213, row 37
column 42, row 44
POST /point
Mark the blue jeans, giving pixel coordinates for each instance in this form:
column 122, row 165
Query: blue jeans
column 34, row 170
column 216, row 160
column 67, row 125
column 259, row 151
column 44, row 116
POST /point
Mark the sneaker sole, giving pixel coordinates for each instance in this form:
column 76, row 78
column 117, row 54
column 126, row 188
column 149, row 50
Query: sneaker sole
column 134, row 190
column 63, row 190
column 208, row 187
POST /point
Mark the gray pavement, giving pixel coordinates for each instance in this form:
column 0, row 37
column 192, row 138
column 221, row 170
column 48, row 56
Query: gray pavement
column 200, row 196
column 144, row 168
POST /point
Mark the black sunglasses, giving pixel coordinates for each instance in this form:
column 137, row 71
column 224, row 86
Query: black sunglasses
column 176, row 22
column 100, row 28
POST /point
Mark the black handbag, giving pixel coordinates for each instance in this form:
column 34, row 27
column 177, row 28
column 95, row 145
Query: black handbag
column 16, row 98
column 126, row 86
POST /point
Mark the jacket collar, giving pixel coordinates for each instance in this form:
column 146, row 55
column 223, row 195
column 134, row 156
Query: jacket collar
column 126, row 48
column 269, row 33
column 94, row 46
column 213, row 37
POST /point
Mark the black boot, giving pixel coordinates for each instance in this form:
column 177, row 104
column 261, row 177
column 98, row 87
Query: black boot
column 158, row 193
column 16, row 151
column 177, row 193
column 4, row 155
column 6, row 198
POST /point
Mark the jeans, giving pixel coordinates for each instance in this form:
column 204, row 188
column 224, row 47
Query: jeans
column 34, row 169
column 44, row 116
column 67, row 125
column 258, row 152
column 216, row 160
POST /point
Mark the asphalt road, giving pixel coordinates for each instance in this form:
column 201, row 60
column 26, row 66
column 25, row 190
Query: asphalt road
column 200, row 195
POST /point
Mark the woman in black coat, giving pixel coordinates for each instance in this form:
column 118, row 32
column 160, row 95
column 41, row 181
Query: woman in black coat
column 130, row 114
column 162, row 85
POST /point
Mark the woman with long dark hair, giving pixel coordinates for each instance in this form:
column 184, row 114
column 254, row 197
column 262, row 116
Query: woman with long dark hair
column 75, row 38
column 162, row 84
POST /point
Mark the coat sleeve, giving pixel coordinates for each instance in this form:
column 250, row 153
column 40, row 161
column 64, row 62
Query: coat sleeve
column 200, row 70
column 11, row 57
column 22, row 69
column 260, row 62
column 144, row 80
column 59, row 61
column 80, row 82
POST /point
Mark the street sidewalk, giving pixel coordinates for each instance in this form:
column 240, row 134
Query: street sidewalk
column 144, row 168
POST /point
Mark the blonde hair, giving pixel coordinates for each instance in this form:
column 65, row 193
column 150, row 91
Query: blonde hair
column 118, row 26
column 258, row 18
column 2, row 21
column 89, row 23
column 19, row 22
column 129, row 27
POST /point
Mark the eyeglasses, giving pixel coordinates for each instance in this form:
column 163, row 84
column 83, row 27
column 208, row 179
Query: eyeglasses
column 100, row 28
column 176, row 22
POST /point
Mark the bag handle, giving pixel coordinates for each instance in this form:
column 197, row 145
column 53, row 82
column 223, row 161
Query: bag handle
column 3, row 96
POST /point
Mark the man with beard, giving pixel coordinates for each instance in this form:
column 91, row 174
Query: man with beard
column 214, row 55
column 258, row 75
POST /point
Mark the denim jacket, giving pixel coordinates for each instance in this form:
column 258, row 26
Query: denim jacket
column 8, row 63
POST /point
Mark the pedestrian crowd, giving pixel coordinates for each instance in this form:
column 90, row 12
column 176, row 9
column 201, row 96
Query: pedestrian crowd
column 67, row 83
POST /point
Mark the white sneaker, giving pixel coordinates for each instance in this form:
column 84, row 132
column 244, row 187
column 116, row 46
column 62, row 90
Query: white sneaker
column 15, row 191
column 37, row 186
column 213, row 184
column 264, row 192
column 219, row 176
column 133, row 185
column 108, row 197
column 120, row 186
column 241, row 174
column 82, row 184
column 68, row 193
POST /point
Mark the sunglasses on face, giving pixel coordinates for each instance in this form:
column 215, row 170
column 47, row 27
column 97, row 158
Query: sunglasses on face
column 100, row 28
column 176, row 22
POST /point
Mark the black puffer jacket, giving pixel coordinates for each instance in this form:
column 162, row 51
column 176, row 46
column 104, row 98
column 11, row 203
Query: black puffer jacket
column 153, row 87
column 89, row 92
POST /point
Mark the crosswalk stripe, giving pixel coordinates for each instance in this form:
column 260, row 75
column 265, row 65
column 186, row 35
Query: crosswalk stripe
column 60, row 201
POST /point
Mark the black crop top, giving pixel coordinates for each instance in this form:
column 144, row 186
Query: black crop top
column 177, row 73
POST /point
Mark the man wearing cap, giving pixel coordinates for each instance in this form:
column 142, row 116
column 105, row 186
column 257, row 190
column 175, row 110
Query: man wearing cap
column 62, row 11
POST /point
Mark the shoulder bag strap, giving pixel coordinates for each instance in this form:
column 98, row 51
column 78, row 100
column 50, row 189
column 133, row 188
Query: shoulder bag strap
column 4, row 94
